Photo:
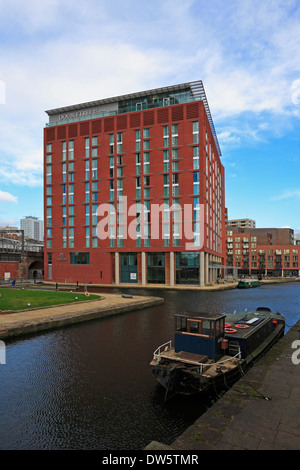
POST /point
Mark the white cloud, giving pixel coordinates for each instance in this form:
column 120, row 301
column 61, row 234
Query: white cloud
column 288, row 194
column 4, row 196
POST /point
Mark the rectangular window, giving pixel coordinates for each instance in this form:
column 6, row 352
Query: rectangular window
column 71, row 149
column 166, row 185
column 196, row 183
column 175, row 166
column 71, row 237
column 195, row 132
column 87, row 169
column 174, row 135
column 174, row 154
column 64, row 238
column 94, row 168
column 166, row 136
column 49, row 174
column 111, row 144
column 79, row 258
column 138, row 163
column 87, row 147
column 87, row 237
column 195, row 158
column 175, row 182
column 64, row 151
column 146, row 145
column 138, row 140
column 87, row 192
column 146, row 163
column 196, row 208
column 119, row 142
column 71, row 193
column 166, row 160
column 94, row 214
column 64, row 215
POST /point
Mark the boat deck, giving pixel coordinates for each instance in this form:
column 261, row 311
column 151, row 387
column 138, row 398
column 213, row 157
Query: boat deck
column 183, row 356
column 224, row 363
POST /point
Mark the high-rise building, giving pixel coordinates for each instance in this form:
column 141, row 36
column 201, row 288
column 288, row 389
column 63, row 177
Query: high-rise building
column 33, row 228
column 134, row 190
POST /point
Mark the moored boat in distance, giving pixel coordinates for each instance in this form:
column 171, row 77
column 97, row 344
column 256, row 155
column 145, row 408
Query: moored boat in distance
column 246, row 284
column 213, row 350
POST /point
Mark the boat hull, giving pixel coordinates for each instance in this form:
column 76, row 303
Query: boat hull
column 182, row 381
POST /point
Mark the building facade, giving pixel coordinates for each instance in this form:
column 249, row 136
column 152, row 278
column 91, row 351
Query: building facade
column 263, row 252
column 134, row 190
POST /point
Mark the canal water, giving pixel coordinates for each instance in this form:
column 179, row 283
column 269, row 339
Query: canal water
column 89, row 386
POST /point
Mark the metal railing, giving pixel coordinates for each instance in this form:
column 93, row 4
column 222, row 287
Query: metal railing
column 158, row 354
column 158, row 351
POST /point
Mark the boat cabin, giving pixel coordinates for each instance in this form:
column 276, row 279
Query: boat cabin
column 199, row 333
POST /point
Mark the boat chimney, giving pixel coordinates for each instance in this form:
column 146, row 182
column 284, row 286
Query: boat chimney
column 224, row 344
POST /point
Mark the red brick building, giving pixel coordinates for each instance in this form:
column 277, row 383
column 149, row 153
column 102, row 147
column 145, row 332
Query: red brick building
column 134, row 190
column 263, row 252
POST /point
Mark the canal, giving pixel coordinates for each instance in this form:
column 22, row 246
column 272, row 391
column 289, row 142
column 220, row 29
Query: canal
column 89, row 386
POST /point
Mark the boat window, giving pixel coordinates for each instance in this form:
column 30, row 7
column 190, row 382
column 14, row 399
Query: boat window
column 181, row 324
column 219, row 327
column 194, row 327
column 207, row 328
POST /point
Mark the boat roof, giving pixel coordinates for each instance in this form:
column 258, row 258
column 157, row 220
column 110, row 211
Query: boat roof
column 201, row 315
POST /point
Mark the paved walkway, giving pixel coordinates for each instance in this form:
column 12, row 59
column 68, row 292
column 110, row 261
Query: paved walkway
column 261, row 412
column 30, row 321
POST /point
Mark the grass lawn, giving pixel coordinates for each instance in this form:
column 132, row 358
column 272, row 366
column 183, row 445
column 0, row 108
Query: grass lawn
column 17, row 299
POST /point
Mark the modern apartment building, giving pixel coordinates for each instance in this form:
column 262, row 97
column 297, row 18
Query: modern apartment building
column 134, row 190
column 263, row 252
column 33, row 228
column 250, row 223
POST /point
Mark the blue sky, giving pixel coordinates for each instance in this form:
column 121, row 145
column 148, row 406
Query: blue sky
column 247, row 53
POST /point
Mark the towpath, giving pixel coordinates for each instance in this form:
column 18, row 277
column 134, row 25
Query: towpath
column 32, row 321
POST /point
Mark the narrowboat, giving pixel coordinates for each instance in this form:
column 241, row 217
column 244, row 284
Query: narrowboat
column 213, row 350
column 245, row 284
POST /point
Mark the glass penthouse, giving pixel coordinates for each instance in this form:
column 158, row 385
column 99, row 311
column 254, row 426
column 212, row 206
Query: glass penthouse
column 134, row 190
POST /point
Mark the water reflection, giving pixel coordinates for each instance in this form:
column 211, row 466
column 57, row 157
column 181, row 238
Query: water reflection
column 88, row 386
